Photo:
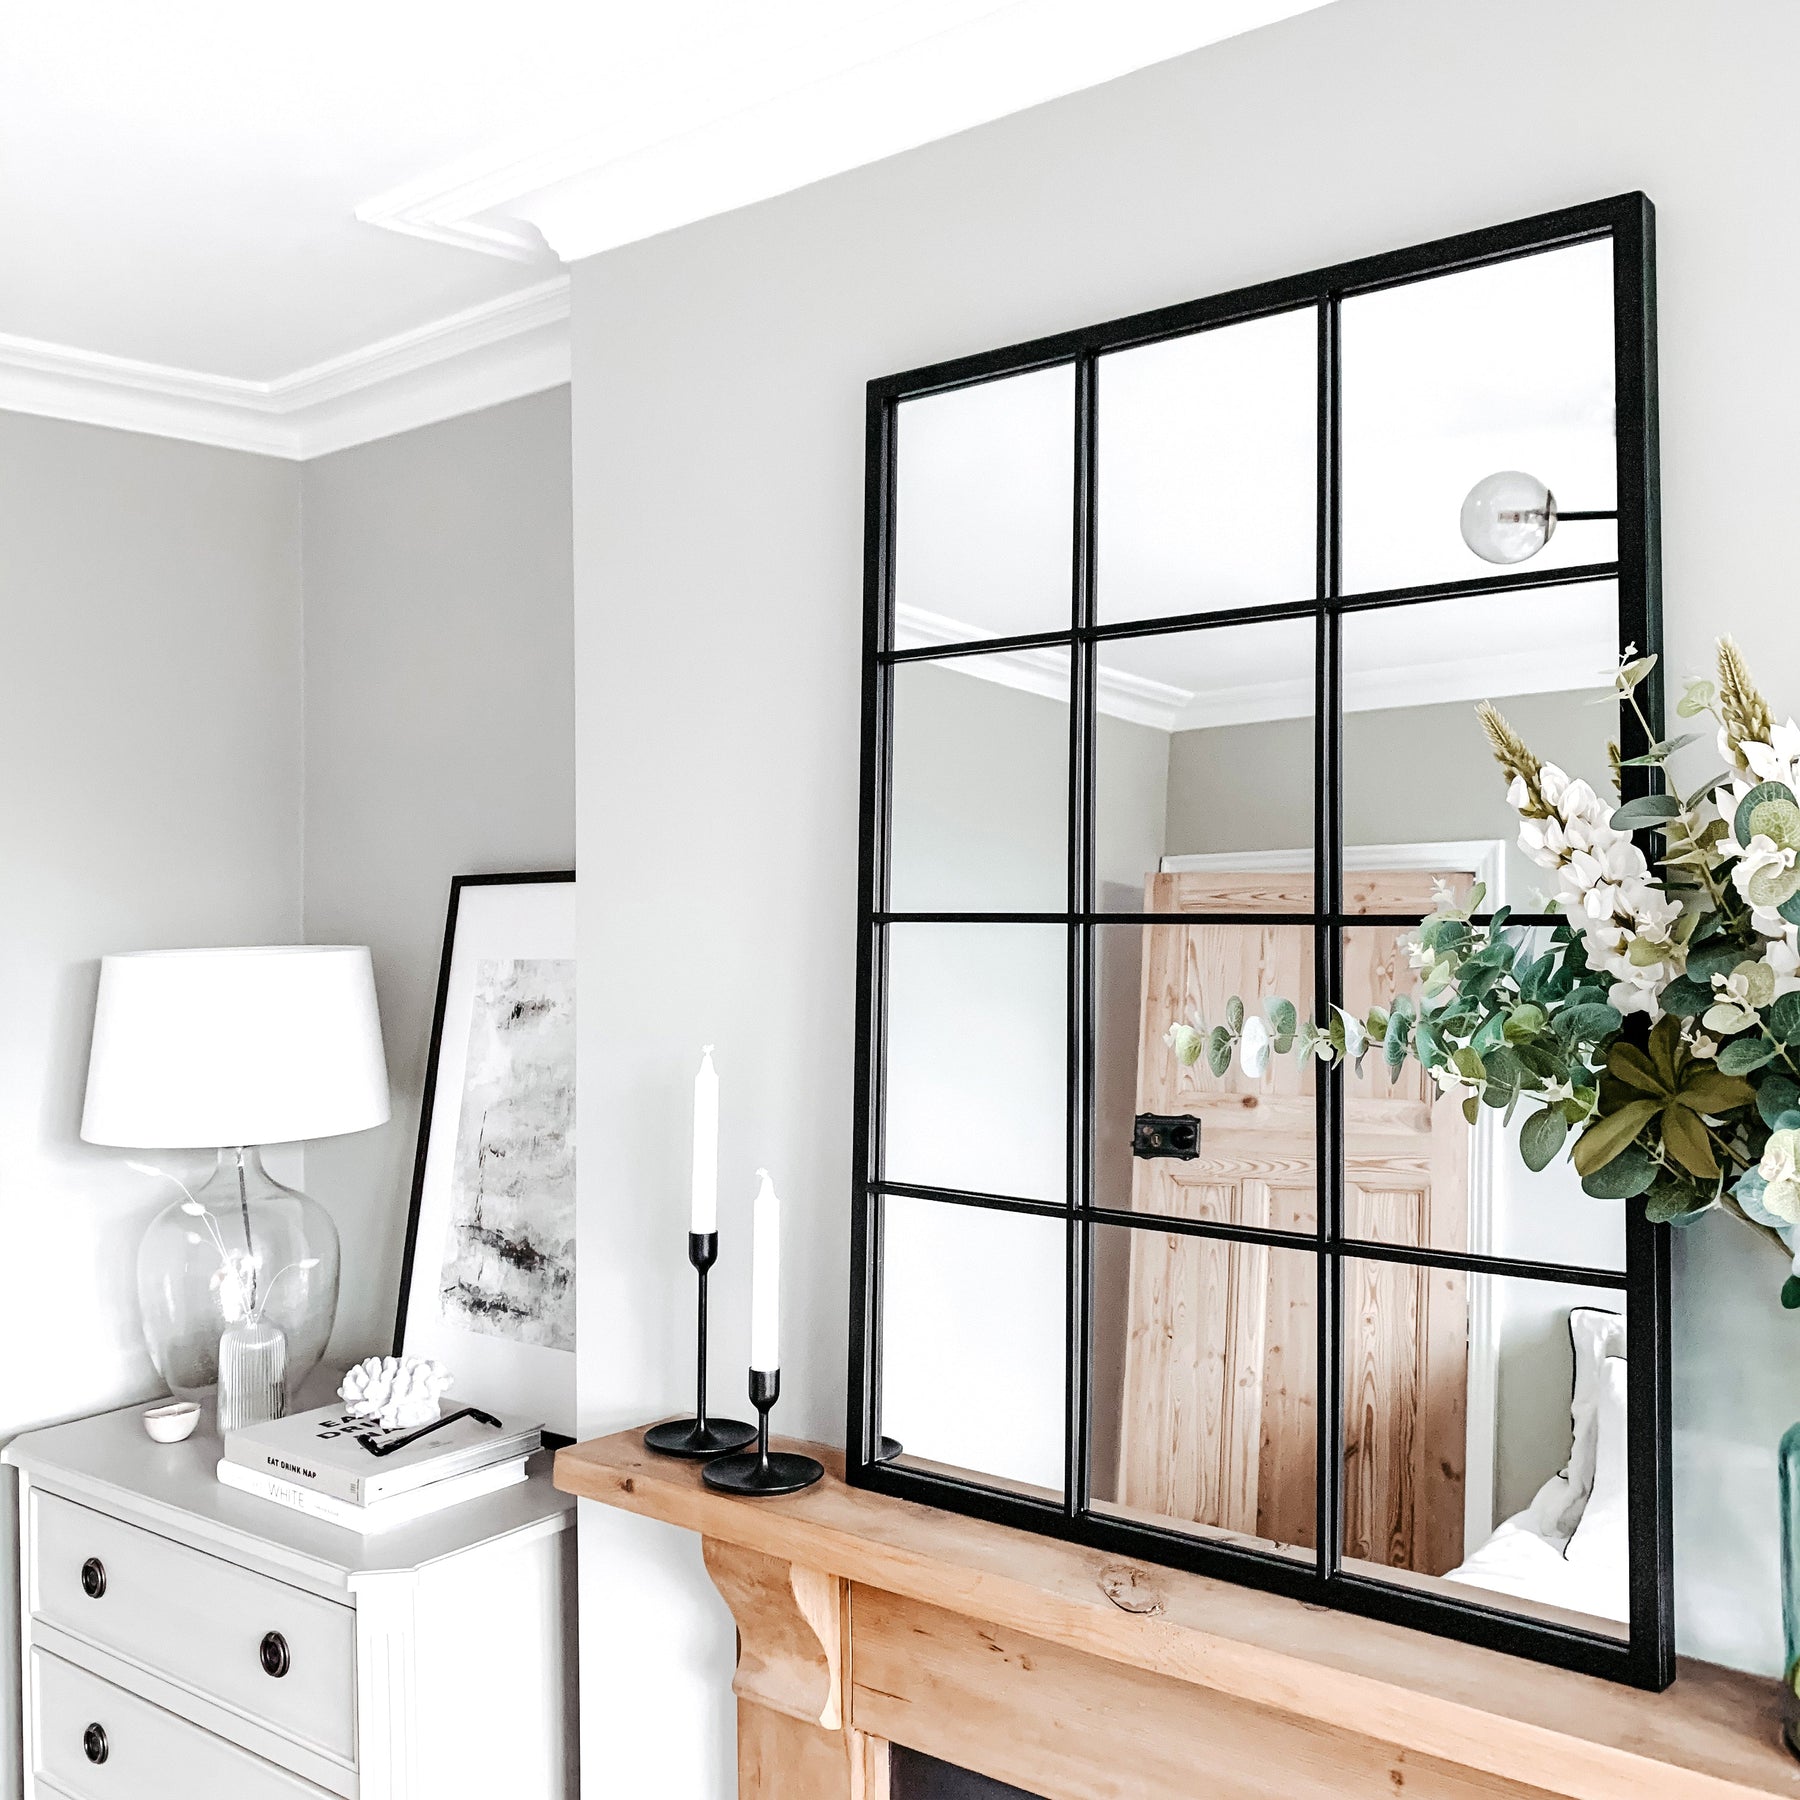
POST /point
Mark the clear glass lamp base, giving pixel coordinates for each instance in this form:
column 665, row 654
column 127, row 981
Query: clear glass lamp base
column 232, row 1266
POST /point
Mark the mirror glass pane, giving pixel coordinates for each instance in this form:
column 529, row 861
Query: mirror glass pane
column 1172, row 1138
column 1204, row 764
column 1484, row 1440
column 1208, row 470
column 1421, row 789
column 1205, row 1368
column 985, row 509
column 974, row 1309
column 1448, row 381
column 1418, row 1173
column 977, row 1049
column 980, row 795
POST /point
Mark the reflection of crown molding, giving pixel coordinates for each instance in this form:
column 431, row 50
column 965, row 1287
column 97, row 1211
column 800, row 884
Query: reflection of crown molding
column 1045, row 672
column 499, row 350
column 781, row 113
column 1142, row 701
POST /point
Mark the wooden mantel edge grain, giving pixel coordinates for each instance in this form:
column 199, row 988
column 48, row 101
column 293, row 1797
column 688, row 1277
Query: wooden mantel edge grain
column 1714, row 1734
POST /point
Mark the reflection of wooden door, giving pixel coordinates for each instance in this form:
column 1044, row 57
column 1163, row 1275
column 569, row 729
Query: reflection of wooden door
column 1218, row 1420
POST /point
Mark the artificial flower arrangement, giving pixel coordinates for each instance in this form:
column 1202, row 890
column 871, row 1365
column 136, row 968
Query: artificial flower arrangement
column 1657, row 1022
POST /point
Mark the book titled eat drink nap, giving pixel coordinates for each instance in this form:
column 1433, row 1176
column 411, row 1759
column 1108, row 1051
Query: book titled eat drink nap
column 319, row 1451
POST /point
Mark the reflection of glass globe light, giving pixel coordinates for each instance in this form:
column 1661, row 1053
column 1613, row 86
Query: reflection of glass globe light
column 1508, row 517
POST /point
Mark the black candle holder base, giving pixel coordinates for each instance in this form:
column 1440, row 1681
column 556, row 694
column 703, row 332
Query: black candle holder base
column 699, row 1440
column 888, row 1448
column 762, row 1473
column 762, row 1476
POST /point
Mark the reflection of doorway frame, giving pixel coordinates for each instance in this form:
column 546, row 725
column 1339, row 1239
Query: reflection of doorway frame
column 1485, row 860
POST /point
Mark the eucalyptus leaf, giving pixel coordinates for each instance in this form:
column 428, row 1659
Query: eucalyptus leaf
column 1775, row 1095
column 1790, row 1292
column 1234, row 1013
column 1660, row 752
column 1541, row 1136
column 1588, row 1022
column 1218, row 1050
column 1696, row 698
column 1647, row 809
column 1743, row 1054
column 1675, row 1205
column 1686, row 998
column 1784, row 1019
column 1710, row 960
column 1764, row 790
column 1283, row 1019
column 1624, row 1178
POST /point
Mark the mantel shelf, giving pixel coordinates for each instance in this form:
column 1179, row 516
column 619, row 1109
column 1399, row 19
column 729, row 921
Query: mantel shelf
column 1524, row 1727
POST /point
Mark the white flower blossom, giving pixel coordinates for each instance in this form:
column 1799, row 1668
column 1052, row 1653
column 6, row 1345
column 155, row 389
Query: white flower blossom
column 1607, row 888
column 1780, row 1168
column 1777, row 760
column 1759, row 854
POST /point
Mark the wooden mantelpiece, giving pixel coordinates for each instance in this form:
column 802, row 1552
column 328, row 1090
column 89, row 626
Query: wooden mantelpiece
column 865, row 1620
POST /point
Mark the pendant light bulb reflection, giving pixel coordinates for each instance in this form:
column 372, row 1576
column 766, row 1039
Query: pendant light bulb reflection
column 1508, row 517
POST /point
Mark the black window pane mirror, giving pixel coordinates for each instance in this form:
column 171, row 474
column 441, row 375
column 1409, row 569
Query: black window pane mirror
column 1175, row 630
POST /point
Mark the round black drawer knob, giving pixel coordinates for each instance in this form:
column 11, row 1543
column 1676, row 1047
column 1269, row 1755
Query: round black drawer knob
column 274, row 1654
column 93, row 1584
column 93, row 1742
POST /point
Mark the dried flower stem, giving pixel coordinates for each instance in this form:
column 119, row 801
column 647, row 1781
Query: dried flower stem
column 1742, row 709
column 1515, row 758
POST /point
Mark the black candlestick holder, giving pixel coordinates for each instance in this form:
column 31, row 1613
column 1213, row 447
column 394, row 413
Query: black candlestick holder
column 699, row 1438
column 762, row 1472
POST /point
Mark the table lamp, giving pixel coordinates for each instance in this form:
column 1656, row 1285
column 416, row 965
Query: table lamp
column 229, row 1050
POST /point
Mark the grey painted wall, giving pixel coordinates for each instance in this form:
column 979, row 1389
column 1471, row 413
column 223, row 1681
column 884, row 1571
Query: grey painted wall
column 440, row 741
column 719, row 374
column 150, row 727
column 160, row 719
column 1411, row 774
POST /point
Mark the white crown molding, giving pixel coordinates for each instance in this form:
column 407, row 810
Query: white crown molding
column 837, row 100
column 500, row 350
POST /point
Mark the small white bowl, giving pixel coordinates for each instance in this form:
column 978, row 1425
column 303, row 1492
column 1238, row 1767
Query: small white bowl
column 173, row 1421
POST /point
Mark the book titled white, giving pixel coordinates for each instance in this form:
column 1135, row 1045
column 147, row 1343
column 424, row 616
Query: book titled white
column 322, row 1450
column 378, row 1515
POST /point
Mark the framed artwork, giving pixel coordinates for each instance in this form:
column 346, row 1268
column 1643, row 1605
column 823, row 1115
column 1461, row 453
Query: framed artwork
column 488, row 1280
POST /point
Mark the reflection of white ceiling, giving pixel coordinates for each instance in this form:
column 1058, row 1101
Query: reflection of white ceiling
column 285, row 227
column 1536, row 642
column 1208, row 453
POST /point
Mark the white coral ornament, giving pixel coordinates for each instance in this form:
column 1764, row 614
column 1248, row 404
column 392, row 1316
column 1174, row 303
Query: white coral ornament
column 397, row 1392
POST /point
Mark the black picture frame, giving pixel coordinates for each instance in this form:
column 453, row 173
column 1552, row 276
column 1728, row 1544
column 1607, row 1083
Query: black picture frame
column 459, row 885
column 1644, row 1657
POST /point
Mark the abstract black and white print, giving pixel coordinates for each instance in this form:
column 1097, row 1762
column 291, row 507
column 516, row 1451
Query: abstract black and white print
column 509, row 1245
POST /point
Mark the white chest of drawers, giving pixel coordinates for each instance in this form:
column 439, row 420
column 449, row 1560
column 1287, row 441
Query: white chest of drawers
column 183, row 1641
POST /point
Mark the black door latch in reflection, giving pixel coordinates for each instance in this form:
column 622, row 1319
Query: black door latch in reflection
column 1165, row 1134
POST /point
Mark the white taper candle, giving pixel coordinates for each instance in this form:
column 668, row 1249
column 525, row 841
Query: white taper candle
column 765, row 1277
column 705, row 1216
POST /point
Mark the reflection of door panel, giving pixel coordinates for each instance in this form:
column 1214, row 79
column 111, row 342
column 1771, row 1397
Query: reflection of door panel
column 1218, row 1415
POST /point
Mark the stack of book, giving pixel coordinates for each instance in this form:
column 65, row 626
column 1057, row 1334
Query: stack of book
column 319, row 1464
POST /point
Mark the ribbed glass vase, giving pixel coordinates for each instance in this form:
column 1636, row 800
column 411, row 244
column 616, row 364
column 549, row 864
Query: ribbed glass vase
column 1790, row 1585
column 253, row 1360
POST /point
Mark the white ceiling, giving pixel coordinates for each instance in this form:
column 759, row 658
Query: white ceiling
column 289, row 227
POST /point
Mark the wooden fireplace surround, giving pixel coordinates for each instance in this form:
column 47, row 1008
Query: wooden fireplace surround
column 865, row 1620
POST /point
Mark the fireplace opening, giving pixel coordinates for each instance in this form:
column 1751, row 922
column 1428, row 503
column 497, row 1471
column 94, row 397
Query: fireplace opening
column 912, row 1775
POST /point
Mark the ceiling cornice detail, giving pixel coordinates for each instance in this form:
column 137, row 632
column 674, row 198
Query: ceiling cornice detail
column 846, row 100
column 481, row 356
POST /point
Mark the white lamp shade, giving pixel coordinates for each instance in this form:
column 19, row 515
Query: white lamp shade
column 196, row 1049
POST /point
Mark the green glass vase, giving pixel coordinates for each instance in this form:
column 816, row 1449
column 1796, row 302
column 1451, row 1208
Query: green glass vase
column 1790, row 1586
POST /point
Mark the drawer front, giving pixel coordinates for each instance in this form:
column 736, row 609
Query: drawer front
column 97, row 1742
column 283, row 1656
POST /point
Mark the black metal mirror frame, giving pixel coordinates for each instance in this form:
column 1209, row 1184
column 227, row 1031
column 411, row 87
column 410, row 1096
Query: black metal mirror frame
column 1645, row 1657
